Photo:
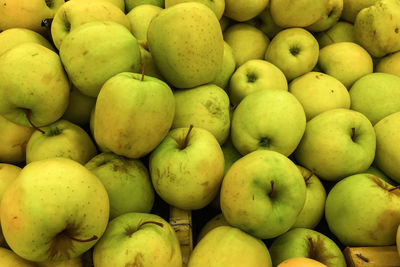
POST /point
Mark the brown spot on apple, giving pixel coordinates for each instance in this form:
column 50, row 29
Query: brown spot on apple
column 137, row 262
column 396, row 30
column 317, row 250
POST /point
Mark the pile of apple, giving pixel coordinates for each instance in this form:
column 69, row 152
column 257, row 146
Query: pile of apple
column 278, row 113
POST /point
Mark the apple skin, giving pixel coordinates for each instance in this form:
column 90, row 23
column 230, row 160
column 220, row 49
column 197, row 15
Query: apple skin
column 375, row 171
column 301, row 262
column 187, row 177
column 75, row 262
column 130, row 4
column 327, row 147
column 342, row 31
column 216, row 221
column 79, row 107
column 363, row 210
column 133, row 239
column 217, row 6
column 47, row 93
column 227, row 69
column 61, row 139
column 265, row 23
column 229, row 246
column 303, row 242
column 352, row 7
column 398, row 239
column 9, row 258
column 140, row 18
column 329, row 18
column 242, row 10
column 51, row 202
column 246, row 198
column 389, row 64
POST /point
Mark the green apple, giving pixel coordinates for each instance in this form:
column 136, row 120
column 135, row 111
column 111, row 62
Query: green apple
column 300, row 13
column 187, row 54
column 187, row 168
column 346, row 61
column 55, row 210
column 262, row 194
column 131, row 4
column 79, row 107
column 342, row 31
column 242, row 10
column 229, row 246
column 216, row 221
column 307, row 243
column 206, row 106
column 378, row 90
column 254, row 75
column 39, row 85
column 363, row 210
column 301, row 262
column 337, row 143
column 389, row 64
column 118, row 3
column 61, row 139
column 377, row 28
column 387, row 157
column 138, row 239
column 27, row 14
column 319, row 92
column 133, row 113
column 329, row 18
column 295, row 51
column 217, row 6
column 10, row 259
column 96, row 51
column 230, row 154
column 149, row 67
column 227, row 69
column 72, row 14
column 265, row 23
column 13, row 140
column 351, row 8
column 268, row 120
column 246, row 41
column 75, row 262
column 140, row 18
column 127, row 182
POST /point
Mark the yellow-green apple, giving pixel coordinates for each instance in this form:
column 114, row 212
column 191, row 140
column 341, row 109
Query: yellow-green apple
column 74, row 262
column 138, row 239
column 254, row 75
column 55, row 210
column 131, row 4
column 351, row 8
column 96, row 51
column 295, row 51
column 262, row 194
column 319, row 92
column 376, row 95
column 314, row 206
column 133, row 113
column 329, row 18
column 118, row 3
column 10, row 259
column 217, row 6
column 306, row 243
column 387, row 157
column 149, row 67
column 375, row 171
column 187, row 168
column 13, row 140
column 302, row 13
column 229, row 246
column 227, row 69
column 27, row 14
column 79, row 107
column 268, row 120
column 214, row 222
column 342, row 31
column 242, row 10
column 363, row 210
column 346, row 61
column 60, row 139
column 337, row 143
column 389, row 64
column 377, row 28
column 140, row 17
column 127, row 182
column 72, row 14
column 265, row 23
column 301, row 262
column 246, row 41
column 206, row 106
column 15, row 36
column 187, row 54
column 34, row 88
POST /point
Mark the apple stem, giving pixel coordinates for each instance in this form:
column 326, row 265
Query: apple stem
column 353, row 134
column 28, row 117
column 394, row 188
column 94, row 237
column 272, row 193
column 185, row 142
column 153, row 222
column 309, row 177
column 142, row 71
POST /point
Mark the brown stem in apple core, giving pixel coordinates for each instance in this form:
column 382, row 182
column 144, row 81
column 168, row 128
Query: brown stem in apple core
column 153, row 222
column 142, row 71
column 185, row 142
column 353, row 134
column 272, row 193
column 394, row 188
column 94, row 237
column 28, row 117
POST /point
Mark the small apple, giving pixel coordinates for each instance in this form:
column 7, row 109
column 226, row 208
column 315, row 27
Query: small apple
column 329, row 18
column 140, row 18
column 342, row 31
column 242, row 10
column 265, row 23
column 79, row 107
column 389, row 64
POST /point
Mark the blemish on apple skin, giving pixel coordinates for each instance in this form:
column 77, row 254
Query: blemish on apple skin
column 396, row 30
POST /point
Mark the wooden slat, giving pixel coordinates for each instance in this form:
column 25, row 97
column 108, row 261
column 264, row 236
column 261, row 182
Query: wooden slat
column 385, row 256
column 181, row 221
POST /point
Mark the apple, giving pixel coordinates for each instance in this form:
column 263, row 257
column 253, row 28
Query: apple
column 230, row 154
column 329, row 18
column 227, row 69
column 375, row 171
column 342, row 31
column 130, row 4
column 216, row 221
column 187, row 168
column 246, row 41
column 61, row 139
column 133, row 113
column 9, row 258
column 138, row 239
column 306, row 243
column 198, row 59
column 95, row 51
column 79, row 107
column 127, row 182
column 337, row 143
column 74, row 262
column 118, row 3
column 254, row 75
column 376, row 95
column 55, row 210
column 301, row 262
column 149, row 66
column 262, row 194
column 140, row 17
column 217, row 6
column 265, row 23
column 242, row 10
column 39, row 84
column 268, row 120
column 319, row 92
column 295, row 51
column 389, row 64
column 363, row 210
column 351, row 8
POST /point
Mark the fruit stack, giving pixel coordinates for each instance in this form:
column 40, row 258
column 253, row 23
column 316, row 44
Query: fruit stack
column 275, row 123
